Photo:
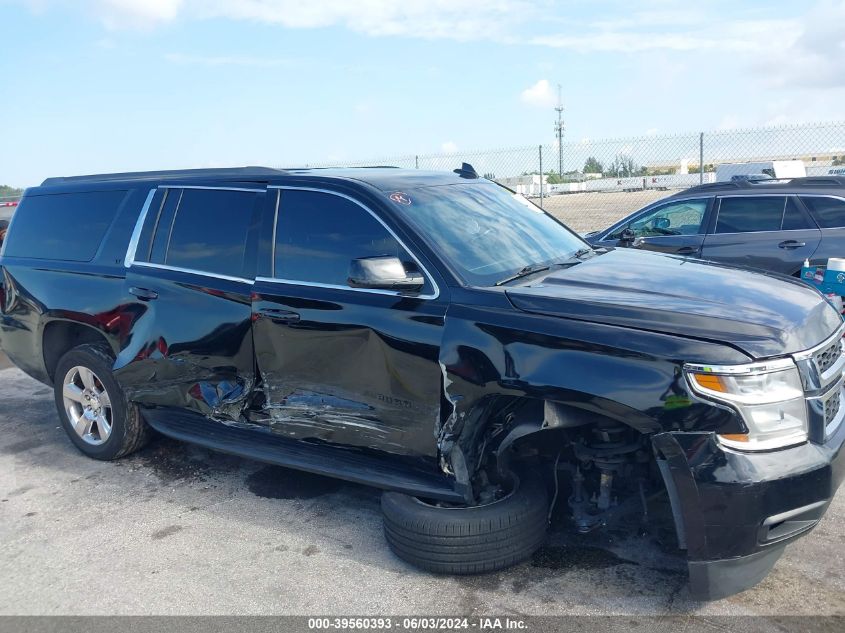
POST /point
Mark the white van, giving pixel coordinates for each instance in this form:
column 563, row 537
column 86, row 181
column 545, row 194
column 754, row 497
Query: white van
column 772, row 168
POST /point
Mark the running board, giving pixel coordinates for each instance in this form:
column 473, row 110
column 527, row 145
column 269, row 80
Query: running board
column 321, row 459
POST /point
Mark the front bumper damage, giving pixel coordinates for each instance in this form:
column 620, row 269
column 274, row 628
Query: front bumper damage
column 736, row 511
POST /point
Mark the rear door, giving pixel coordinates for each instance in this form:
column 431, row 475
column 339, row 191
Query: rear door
column 829, row 213
column 675, row 227
column 346, row 366
column 190, row 273
column 769, row 232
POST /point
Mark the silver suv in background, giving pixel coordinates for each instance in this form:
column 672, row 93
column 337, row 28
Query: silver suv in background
column 769, row 224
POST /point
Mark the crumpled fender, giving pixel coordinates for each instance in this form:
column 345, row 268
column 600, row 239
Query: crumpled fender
column 632, row 376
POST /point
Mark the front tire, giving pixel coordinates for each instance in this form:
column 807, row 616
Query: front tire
column 92, row 407
column 471, row 540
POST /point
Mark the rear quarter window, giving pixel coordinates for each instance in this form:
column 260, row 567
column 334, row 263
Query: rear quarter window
column 64, row 226
column 829, row 212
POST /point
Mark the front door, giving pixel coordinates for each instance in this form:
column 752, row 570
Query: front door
column 340, row 365
column 768, row 232
column 189, row 283
column 675, row 227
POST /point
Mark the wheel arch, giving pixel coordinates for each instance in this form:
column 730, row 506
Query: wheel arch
column 60, row 336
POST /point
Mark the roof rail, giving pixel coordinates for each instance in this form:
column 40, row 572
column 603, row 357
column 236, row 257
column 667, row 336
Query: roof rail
column 819, row 181
column 737, row 184
column 229, row 172
column 744, row 183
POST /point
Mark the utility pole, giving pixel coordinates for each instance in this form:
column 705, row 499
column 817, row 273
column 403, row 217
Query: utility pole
column 559, row 132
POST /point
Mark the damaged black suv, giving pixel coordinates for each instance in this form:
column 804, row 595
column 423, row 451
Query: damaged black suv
column 437, row 336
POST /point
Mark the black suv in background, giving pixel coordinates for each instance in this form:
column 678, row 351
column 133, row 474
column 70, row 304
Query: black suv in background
column 439, row 337
column 769, row 224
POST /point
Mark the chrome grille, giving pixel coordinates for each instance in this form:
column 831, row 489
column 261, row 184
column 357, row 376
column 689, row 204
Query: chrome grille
column 826, row 357
column 831, row 407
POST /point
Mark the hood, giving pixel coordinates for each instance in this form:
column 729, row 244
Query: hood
column 759, row 313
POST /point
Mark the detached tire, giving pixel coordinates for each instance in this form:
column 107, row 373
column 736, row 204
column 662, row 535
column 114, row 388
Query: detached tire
column 472, row 540
column 92, row 407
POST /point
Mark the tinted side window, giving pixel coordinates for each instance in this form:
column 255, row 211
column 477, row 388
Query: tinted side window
column 319, row 234
column 65, row 226
column 163, row 225
column 209, row 232
column 747, row 215
column 794, row 218
column 829, row 212
column 677, row 218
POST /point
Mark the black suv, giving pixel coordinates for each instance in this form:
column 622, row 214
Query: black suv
column 439, row 337
column 769, row 224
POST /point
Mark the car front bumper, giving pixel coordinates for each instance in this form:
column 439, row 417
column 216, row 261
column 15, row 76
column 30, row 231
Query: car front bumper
column 736, row 511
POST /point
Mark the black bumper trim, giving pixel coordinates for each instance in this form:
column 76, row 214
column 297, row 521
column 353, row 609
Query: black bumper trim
column 716, row 579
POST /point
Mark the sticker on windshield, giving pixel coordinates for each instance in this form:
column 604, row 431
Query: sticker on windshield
column 400, row 198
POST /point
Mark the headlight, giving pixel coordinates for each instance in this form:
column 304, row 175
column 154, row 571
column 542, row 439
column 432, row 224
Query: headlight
column 768, row 395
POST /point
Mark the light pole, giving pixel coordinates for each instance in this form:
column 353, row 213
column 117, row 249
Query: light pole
column 559, row 132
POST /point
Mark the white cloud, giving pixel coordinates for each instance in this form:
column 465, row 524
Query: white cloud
column 540, row 94
column 812, row 56
column 422, row 19
column 117, row 14
column 230, row 60
column 449, row 147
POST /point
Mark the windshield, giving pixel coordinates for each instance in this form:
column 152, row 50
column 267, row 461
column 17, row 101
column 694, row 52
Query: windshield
column 485, row 232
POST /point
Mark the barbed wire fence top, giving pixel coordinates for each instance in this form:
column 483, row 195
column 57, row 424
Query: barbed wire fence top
column 591, row 183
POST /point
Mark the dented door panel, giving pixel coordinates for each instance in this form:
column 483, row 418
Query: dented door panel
column 354, row 369
column 192, row 346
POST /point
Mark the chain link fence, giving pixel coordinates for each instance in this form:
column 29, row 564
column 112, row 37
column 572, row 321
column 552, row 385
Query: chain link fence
column 590, row 184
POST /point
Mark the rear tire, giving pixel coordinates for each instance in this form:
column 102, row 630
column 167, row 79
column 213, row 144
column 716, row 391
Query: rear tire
column 92, row 407
column 472, row 540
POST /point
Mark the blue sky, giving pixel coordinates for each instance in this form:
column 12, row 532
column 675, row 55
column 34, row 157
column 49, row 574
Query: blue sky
column 111, row 85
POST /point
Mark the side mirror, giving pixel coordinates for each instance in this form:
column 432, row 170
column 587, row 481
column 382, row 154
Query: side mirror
column 383, row 273
column 627, row 235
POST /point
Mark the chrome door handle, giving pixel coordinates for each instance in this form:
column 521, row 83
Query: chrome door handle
column 144, row 294
column 791, row 244
column 279, row 316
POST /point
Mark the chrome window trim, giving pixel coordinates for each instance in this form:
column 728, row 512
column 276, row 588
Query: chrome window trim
column 273, row 237
column 316, row 284
column 157, row 222
column 810, row 228
column 191, row 271
column 129, row 259
column 172, row 224
column 294, row 282
column 820, row 195
column 212, row 187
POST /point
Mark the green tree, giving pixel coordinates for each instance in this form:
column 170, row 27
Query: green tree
column 593, row 166
column 10, row 192
column 623, row 165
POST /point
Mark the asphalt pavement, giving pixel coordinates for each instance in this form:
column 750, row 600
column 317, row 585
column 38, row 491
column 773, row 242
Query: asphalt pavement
column 176, row 529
